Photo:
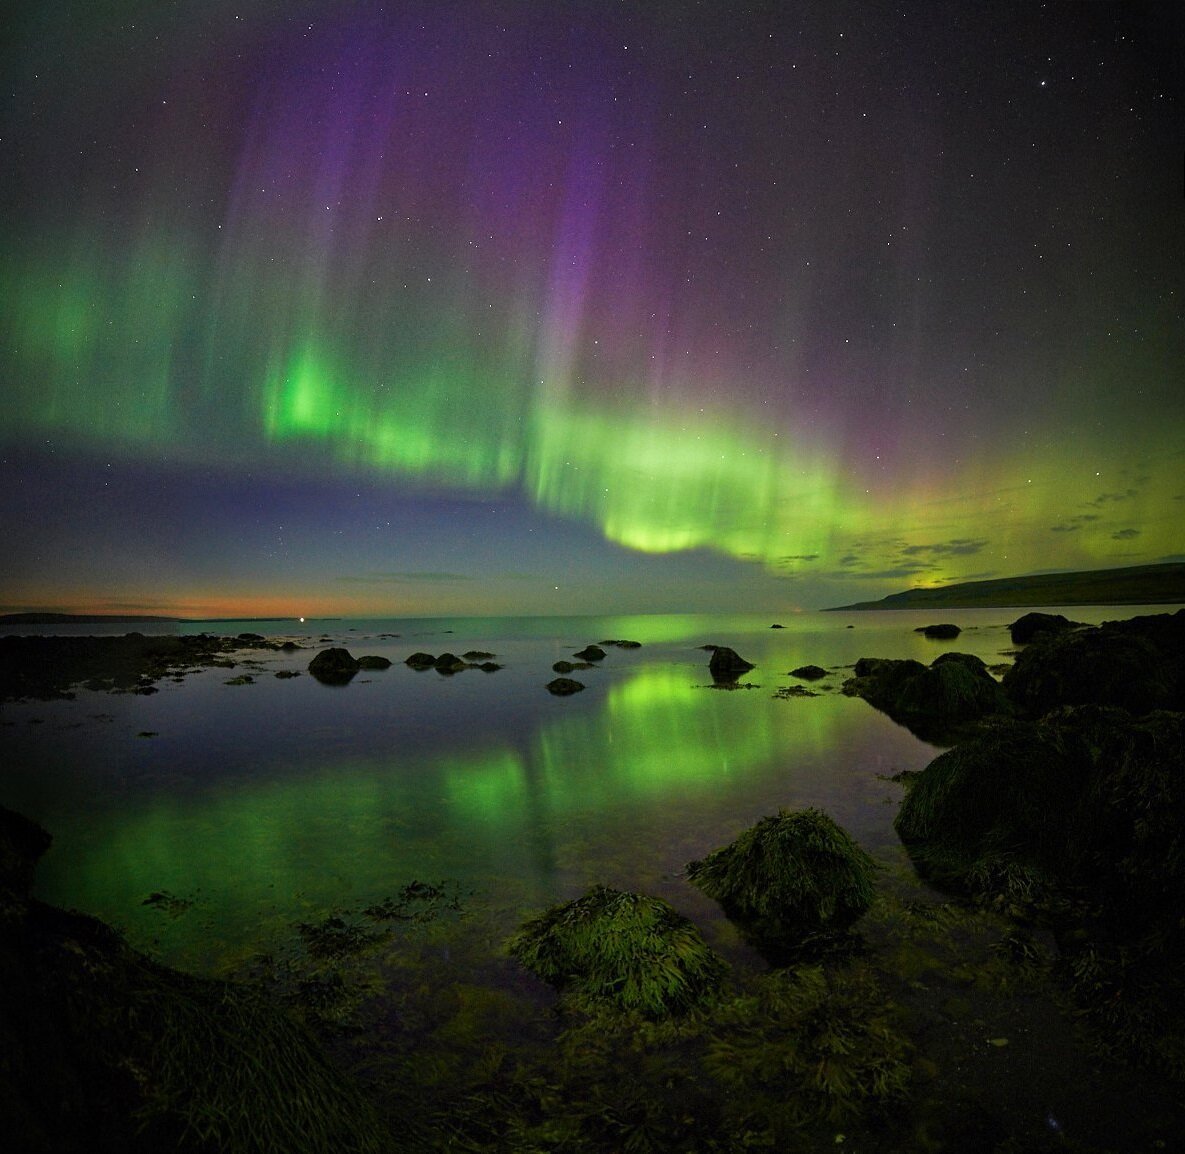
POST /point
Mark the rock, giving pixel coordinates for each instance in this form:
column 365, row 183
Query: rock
column 251, row 637
column 563, row 667
column 1137, row 665
column 448, row 664
column 289, row 646
column 371, row 661
column 944, row 632
column 477, row 655
column 624, row 644
column 333, row 666
column 489, row 667
column 809, row 672
column 590, row 653
column 1031, row 625
column 777, row 626
column 421, row 661
column 789, row 877
column 564, row 686
column 726, row 664
column 622, row 951
column 286, row 673
column 934, row 702
column 242, row 679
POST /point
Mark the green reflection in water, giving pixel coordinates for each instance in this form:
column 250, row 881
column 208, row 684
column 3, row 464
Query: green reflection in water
column 258, row 856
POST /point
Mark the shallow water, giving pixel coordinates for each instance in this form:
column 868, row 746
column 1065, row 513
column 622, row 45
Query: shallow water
column 268, row 802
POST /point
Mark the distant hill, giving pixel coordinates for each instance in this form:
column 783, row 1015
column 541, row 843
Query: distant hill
column 1136, row 585
column 75, row 619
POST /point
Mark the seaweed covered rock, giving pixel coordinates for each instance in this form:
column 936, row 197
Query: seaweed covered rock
column 936, row 701
column 623, row 950
column 333, row 666
column 726, row 664
column 789, row 877
column 1137, row 665
column 1031, row 625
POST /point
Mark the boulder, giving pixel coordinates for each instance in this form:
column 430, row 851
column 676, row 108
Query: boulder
column 563, row 667
column 622, row 951
column 935, row 702
column 251, row 638
column 726, row 664
column 564, row 686
column 421, row 661
column 590, row 653
column 941, row 632
column 624, row 644
column 333, row 666
column 791, row 876
column 1031, row 625
column 372, row 661
column 448, row 664
column 1137, row 665
column 809, row 672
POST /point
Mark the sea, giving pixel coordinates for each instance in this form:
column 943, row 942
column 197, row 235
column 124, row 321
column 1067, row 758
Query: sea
column 209, row 818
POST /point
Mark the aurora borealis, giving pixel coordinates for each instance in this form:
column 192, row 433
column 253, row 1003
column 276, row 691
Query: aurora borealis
column 339, row 308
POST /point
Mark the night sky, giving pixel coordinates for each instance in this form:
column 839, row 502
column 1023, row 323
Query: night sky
column 480, row 307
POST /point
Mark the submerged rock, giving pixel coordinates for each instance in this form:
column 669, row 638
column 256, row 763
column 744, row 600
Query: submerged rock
column 789, row 877
column 333, row 666
column 621, row 950
column 564, row 686
column 726, row 664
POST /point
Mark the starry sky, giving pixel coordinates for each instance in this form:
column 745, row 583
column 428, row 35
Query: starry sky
column 360, row 308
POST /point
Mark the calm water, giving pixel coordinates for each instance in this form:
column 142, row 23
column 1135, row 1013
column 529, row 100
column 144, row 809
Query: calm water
column 278, row 800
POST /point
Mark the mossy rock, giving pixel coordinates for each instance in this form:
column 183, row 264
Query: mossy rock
column 1136, row 665
column 626, row 951
column 788, row 878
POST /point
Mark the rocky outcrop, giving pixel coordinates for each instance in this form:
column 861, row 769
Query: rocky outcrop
column 334, row 666
column 726, row 664
column 1031, row 625
column 1137, row 665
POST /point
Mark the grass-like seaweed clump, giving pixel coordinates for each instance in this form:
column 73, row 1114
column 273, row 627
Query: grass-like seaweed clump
column 620, row 949
column 791, row 876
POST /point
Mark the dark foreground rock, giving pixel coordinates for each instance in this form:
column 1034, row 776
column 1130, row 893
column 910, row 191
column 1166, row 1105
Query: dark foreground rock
column 788, row 879
column 623, row 950
column 726, row 664
column 1078, row 819
column 107, row 1052
column 1137, row 665
column 936, row 702
column 334, row 666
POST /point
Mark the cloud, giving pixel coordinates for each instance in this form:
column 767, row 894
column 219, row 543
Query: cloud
column 1075, row 523
column 407, row 578
column 957, row 547
column 1125, row 534
column 1111, row 498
